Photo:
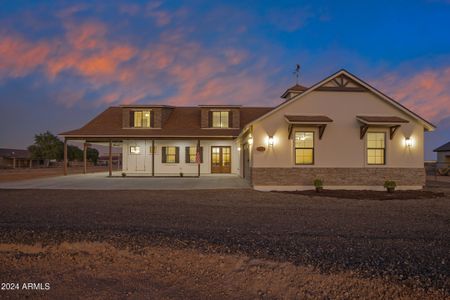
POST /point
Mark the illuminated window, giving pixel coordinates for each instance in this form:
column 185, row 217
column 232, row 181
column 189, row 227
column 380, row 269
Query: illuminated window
column 170, row 155
column 142, row 119
column 191, row 155
column 304, row 148
column 135, row 150
column 376, row 146
column 220, row 119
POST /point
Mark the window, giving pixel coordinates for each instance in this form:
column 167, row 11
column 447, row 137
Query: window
column 170, row 155
column 135, row 150
column 141, row 119
column 191, row 155
column 376, row 146
column 220, row 119
column 304, row 148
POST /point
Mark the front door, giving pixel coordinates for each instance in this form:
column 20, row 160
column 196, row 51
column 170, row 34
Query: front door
column 220, row 159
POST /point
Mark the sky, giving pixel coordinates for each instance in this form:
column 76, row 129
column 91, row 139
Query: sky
column 64, row 62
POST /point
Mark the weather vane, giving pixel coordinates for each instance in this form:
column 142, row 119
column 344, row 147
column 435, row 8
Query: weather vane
column 297, row 72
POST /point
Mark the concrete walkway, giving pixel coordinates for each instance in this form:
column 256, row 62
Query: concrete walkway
column 100, row 181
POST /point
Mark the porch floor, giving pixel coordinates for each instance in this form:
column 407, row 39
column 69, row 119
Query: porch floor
column 101, row 181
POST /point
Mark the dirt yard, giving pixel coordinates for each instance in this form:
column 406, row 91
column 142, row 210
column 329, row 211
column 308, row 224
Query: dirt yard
column 223, row 244
column 17, row 174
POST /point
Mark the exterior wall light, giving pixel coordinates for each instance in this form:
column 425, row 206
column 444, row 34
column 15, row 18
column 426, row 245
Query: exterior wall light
column 239, row 148
column 250, row 141
column 270, row 141
column 408, row 142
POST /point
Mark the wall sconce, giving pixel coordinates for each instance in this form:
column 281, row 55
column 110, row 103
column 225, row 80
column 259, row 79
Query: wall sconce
column 270, row 141
column 239, row 148
column 250, row 141
column 408, row 142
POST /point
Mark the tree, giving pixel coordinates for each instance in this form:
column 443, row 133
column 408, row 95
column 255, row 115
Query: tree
column 47, row 146
column 92, row 155
column 74, row 153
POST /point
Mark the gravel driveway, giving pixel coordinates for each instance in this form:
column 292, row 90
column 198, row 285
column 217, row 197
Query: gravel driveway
column 405, row 241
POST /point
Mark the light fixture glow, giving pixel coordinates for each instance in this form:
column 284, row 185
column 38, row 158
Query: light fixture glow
column 239, row 148
column 270, row 141
column 250, row 141
column 408, row 142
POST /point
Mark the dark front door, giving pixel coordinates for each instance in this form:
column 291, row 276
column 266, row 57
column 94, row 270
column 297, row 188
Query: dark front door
column 246, row 162
column 220, row 159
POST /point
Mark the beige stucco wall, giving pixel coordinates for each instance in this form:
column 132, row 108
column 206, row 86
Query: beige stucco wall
column 340, row 145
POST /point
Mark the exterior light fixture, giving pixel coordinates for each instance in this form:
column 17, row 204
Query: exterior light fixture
column 270, row 141
column 239, row 148
column 408, row 142
column 250, row 141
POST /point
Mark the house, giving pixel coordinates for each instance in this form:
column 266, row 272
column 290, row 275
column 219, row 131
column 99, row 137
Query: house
column 443, row 157
column 15, row 158
column 103, row 160
column 340, row 130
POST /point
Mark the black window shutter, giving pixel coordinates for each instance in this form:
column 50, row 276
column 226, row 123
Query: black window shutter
column 131, row 118
column 210, row 119
column 201, row 154
column 152, row 119
column 186, row 155
column 177, row 155
column 230, row 119
column 163, row 155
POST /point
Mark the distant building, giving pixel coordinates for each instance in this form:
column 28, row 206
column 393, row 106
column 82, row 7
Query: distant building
column 443, row 156
column 103, row 160
column 15, row 158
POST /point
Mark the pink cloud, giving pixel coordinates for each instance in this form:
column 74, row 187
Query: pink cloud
column 19, row 56
column 426, row 92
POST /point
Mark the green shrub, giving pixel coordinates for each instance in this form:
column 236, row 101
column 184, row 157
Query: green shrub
column 390, row 184
column 318, row 183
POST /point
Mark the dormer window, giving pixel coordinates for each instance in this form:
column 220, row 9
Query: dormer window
column 141, row 118
column 220, row 119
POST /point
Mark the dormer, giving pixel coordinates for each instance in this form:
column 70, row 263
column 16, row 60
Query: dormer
column 145, row 116
column 220, row 116
column 293, row 91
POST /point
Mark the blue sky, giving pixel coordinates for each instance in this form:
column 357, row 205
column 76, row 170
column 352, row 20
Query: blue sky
column 63, row 62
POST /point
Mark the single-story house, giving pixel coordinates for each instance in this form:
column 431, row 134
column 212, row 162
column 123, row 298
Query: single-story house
column 340, row 130
column 15, row 158
column 443, row 156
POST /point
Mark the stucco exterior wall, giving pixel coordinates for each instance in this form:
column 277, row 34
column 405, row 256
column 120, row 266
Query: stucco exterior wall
column 340, row 145
column 142, row 163
column 443, row 159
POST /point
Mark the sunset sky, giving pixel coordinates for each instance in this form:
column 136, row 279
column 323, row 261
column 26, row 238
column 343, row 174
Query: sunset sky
column 63, row 62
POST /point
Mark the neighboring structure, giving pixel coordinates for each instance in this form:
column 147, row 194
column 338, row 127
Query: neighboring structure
column 103, row 160
column 15, row 158
column 443, row 156
column 340, row 130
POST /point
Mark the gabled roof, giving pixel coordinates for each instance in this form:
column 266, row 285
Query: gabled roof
column 427, row 125
column 443, row 148
column 182, row 122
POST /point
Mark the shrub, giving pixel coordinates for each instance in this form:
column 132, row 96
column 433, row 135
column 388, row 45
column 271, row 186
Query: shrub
column 390, row 184
column 318, row 183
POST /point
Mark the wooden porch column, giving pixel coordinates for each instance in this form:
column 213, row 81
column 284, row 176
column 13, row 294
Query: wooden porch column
column 31, row 163
column 14, row 162
column 199, row 157
column 110, row 158
column 65, row 156
column 153, row 157
column 84, row 158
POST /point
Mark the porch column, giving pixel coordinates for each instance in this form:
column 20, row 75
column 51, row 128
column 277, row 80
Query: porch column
column 198, row 157
column 110, row 158
column 153, row 157
column 14, row 162
column 84, row 158
column 65, row 156
column 31, row 163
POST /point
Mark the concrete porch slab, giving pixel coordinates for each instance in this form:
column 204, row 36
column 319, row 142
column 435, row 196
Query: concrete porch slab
column 101, row 181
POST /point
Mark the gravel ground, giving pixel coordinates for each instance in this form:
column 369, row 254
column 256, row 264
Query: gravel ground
column 401, row 243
